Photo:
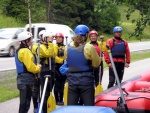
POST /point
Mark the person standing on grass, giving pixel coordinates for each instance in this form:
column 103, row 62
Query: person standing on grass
column 81, row 58
column 26, row 70
column 120, row 53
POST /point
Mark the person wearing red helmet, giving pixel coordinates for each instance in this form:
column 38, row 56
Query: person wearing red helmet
column 93, row 35
column 59, row 60
column 120, row 53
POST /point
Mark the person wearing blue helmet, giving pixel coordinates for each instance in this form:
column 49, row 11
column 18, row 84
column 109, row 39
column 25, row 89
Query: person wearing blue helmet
column 120, row 53
column 81, row 58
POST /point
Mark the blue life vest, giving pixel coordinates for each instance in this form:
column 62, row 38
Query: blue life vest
column 19, row 65
column 76, row 60
column 118, row 50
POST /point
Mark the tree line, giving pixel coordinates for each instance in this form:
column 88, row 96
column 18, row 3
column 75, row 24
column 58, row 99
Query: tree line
column 101, row 15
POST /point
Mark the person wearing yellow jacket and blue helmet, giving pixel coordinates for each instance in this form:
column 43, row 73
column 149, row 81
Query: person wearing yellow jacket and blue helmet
column 81, row 57
column 26, row 70
column 46, row 53
column 59, row 60
column 100, row 47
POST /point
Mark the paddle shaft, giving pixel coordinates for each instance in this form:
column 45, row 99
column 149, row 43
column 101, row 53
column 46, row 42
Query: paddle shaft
column 118, row 82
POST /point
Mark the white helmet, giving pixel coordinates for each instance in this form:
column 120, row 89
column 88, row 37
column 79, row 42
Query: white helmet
column 24, row 35
column 41, row 32
column 47, row 34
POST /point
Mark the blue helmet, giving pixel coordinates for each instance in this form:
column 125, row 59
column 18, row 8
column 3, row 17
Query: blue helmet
column 117, row 29
column 81, row 30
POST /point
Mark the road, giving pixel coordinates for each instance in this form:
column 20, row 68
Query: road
column 135, row 68
column 7, row 63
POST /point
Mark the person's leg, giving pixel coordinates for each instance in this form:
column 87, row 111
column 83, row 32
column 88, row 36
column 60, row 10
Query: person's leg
column 111, row 78
column 25, row 98
column 73, row 95
column 35, row 94
column 87, row 95
column 96, row 75
column 101, row 71
column 56, row 95
column 120, row 71
column 29, row 95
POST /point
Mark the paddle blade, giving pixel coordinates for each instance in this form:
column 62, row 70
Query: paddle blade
column 98, row 89
column 51, row 103
column 65, row 93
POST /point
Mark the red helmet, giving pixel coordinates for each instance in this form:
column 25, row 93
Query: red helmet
column 59, row 34
column 93, row 32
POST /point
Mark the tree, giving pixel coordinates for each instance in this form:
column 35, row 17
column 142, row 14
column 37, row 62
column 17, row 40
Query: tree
column 19, row 9
column 106, row 16
column 144, row 13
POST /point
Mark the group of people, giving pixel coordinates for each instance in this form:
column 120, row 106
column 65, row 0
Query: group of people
column 84, row 65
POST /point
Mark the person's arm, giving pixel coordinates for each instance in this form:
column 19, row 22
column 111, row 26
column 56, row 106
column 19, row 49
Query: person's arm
column 91, row 54
column 59, row 60
column 127, row 54
column 26, row 57
column 47, row 52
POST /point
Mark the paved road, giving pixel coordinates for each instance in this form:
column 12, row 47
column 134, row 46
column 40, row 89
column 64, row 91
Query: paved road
column 7, row 63
column 135, row 68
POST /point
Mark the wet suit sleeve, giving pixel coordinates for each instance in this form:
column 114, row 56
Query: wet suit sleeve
column 27, row 58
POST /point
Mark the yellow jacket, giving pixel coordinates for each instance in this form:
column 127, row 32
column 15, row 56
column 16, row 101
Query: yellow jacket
column 26, row 57
column 89, row 53
column 34, row 48
column 103, row 45
column 46, row 51
column 58, row 59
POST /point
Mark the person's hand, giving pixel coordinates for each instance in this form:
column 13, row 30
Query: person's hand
column 100, row 58
column 101, row 38
column 110, row 65
column 127, row 65
column 39, row 65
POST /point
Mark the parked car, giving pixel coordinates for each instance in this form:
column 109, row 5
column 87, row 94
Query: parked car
column 54, row 28
column 8, row 40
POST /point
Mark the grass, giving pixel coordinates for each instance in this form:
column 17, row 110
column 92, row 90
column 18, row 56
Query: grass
column 8, row 85
column 10, row 22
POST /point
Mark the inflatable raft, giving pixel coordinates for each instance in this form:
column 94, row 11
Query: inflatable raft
column 136, row 92
column 83, row 109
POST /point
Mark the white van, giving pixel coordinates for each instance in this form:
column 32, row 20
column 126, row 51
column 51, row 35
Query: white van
column 54, row 28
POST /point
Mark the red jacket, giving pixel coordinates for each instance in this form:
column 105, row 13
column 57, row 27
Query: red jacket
column 127, row 52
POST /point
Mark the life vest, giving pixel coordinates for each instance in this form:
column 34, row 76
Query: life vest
column 76, row 60
column 118, row 50
column 19, row 65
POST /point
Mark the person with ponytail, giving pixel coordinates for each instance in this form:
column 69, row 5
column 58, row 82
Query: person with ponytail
column 26, row 70
column 81, row 58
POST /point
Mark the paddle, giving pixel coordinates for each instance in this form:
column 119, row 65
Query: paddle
column 122, row 101
column 38, row 62
column 66, row 84
column 99, row 87
column 51, row 103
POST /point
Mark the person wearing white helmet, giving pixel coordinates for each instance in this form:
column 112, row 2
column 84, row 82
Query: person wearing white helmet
column 36, row 88
column 26, row 70
column 46, row 52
